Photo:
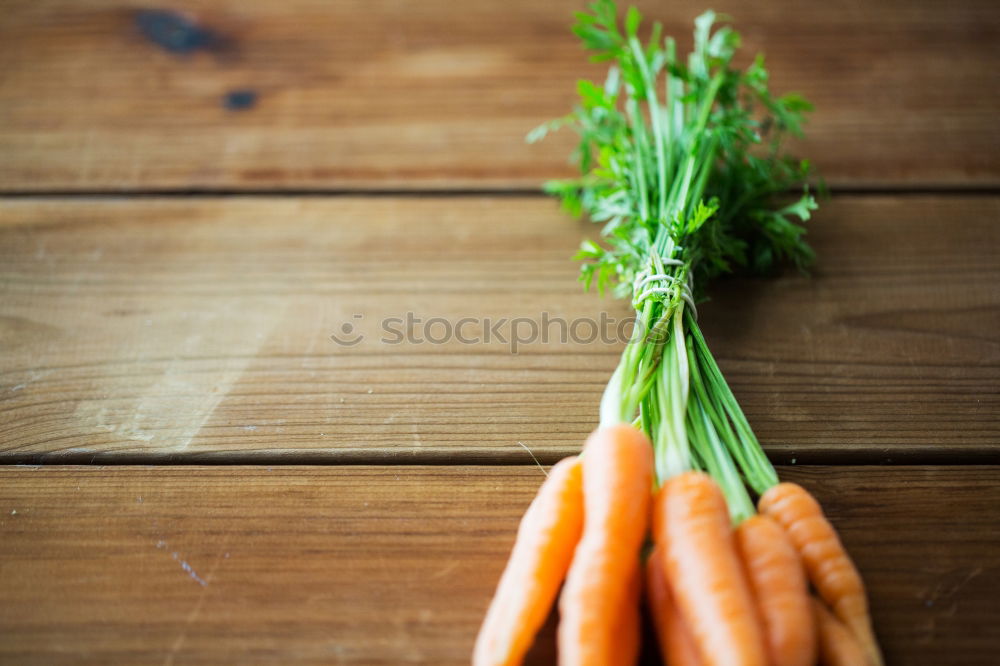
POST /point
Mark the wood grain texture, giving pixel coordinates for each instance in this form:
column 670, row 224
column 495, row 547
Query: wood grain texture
column 116, row 95
column 199, row 329
column 392, row 565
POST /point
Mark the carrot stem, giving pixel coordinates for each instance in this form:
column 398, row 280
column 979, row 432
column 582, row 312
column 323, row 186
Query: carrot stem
column 753, row 462
column 705, row 439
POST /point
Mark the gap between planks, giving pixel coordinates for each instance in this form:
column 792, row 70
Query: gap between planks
column 895, row 456
column 902, row 189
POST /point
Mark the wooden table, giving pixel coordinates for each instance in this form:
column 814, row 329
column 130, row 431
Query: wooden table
column 197, row 196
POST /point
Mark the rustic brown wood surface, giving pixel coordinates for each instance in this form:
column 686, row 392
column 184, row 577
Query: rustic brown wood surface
column 201, row 328
column 124, row 95
column 392, row 565
column 197, row 327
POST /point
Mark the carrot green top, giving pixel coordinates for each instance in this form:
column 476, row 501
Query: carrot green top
column 682, row 163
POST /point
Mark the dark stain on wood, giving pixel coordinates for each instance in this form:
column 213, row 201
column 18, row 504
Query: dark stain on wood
column 175, row 32
column 240, row 100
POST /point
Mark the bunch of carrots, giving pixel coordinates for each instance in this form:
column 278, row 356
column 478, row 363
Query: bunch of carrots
column 683, row 164
column 718, row 594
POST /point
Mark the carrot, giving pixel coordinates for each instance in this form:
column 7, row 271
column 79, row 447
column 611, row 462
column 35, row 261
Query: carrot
column 779, row 587
column 838, row 646
column 830, row 568
column 546, row 538
column 617, row 481
column 629, row 624
column 703, row 570
column 676, row 645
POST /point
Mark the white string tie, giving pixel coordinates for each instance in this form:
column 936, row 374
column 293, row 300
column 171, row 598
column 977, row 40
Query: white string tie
column 686, row 292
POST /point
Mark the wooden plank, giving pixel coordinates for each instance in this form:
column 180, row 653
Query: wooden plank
column 390, row 565
column 113, row 95
column 201, row 329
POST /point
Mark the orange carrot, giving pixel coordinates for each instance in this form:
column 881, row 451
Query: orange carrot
column 629, row 624
column 837, row 644
column 676, row 645
column 546, row 538
column 617, row 481
column 830, row 568
column 704, row 571
column 779, row 587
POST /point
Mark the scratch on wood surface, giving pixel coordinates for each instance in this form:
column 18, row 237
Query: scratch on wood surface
column 940, row 604
column 950, row 584
column 175, row 405
column 33, row 376
column 205, row 404
column 196, row 610
column 161, row 544
column 190, row 570
column 446, row 570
